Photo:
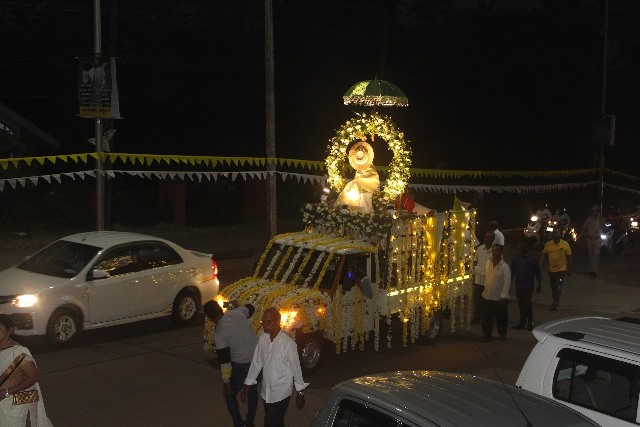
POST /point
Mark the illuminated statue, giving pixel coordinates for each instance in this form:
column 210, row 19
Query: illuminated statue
column 358, row 193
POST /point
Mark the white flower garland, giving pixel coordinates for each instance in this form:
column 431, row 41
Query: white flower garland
column 292, row 265
column 272, row 263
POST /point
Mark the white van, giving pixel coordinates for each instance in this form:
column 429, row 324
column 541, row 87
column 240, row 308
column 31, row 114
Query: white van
column 432, row 398
column 591, row 364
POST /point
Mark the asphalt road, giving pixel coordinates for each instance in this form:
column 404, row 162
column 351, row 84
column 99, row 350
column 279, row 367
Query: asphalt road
column 153, row 373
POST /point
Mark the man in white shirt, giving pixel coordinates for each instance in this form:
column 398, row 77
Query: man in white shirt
column 499, row 237
column 497, row 284
column 483, row 254
column 235, row 343
column 277, row 356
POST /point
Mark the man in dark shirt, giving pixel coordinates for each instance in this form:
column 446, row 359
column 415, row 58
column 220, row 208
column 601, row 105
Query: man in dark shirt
column 524, row 267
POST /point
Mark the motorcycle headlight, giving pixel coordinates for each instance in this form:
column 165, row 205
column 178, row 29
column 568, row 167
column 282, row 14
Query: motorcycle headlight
column 26, row 300
column 534, row 218
column 603, row 236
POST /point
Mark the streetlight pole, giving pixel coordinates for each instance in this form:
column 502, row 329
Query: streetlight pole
column 100, row 179
column 271, row 119
column 604, row 99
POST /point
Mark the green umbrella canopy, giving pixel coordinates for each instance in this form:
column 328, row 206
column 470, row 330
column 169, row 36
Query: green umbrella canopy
column 375, row 92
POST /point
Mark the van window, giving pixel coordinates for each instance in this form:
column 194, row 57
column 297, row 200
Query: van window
column 330, row 273
column 352, row 414
column 354, row 270
column 599, row 383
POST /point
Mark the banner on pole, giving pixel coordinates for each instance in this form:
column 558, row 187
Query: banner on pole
column 98, row 88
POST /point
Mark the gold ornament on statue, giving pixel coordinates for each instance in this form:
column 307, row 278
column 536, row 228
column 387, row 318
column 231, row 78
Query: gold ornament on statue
column 361, row 155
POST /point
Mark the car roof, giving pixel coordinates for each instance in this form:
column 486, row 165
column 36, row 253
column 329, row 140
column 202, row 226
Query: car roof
column 620, row 334
column 105, row 239
column 449, row 399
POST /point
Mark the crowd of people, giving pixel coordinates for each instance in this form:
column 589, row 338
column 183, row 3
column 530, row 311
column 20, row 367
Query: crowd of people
column 244, row 357
column 494, row 279
column 273, row 356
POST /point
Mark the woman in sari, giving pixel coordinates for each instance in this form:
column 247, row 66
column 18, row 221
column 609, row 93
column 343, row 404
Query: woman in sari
column 18, row 373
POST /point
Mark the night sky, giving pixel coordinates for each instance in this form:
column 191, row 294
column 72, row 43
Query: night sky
column 490, row 87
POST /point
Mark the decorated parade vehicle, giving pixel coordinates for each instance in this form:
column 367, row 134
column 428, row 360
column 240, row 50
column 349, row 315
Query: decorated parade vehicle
column 366, row 256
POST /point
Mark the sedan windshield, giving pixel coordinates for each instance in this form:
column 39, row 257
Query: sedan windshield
column 60, row 259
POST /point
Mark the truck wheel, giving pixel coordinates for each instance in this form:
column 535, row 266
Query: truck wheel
column 433, row 329
column 310, row 351
column 63, row 327
column 185, row 308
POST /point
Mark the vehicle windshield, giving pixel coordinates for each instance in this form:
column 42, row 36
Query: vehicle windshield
column 299, row 265
column 60, row 259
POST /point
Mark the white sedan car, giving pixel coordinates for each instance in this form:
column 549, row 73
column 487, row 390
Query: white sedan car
column 105, row 278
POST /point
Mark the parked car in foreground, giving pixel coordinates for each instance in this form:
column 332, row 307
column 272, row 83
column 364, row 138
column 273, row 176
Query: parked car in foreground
column 105, row 278
column 591, row 364
column 432, row 398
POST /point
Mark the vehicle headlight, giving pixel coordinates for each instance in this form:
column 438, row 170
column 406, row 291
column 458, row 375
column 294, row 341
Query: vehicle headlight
column 287, row 317
column 634, row 223
column 534, row 218
column 603, row 236
column 26, row 300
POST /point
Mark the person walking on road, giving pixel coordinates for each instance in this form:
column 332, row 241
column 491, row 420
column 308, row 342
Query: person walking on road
column 277, row 356
column 592, row 229
column 524, row 268
column 483, row 254
column 235, row 343
column 497, row 283
column 499, row 237
column 558, row 252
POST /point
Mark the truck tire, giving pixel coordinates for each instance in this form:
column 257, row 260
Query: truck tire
column 63, row 327
column 311, row 352
column 434, row 328
column 185, row 308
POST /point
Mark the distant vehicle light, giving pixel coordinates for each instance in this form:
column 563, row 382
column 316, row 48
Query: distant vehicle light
column 603, row 236
column 534, row 218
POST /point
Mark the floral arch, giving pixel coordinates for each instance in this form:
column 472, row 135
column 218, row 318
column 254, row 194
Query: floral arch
column 357, row 130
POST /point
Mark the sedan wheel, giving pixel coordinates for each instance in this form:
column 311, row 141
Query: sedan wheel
column 62, row 327
column 185, row 308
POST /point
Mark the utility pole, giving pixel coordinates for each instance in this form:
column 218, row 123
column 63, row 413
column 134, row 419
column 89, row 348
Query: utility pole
column 604, row 99
column 271, row 120
column 100, row 178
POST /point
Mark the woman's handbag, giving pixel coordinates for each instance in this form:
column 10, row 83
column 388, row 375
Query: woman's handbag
column 25, row 396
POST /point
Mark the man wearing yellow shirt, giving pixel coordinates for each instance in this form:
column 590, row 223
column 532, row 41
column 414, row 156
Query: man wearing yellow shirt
column 558, row 252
